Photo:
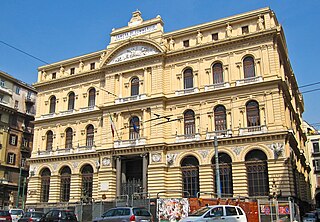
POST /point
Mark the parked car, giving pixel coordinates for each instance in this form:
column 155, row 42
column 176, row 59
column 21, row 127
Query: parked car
column 31, row 216
column 310, row 217
column 59, row 216
column 126, row 214
column 16, row 214
column 5, row 216
column 217, row 213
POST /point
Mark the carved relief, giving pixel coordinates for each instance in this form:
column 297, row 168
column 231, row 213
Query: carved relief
column 260, row 23
column 156, row 157
column 75, row 165
column 203, row 153
column 277, row 149
column 171, row 157
column 133, row 53
column 106, row 161
column 237, row 150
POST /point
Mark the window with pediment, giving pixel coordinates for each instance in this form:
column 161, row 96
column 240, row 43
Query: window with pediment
column 134, row 128
column 248, row 67
column 253, row 114
column 188, row 78
column 220, row 118
column 92, row 97
column 52, row 107
column 90, row 135
column 135, row 86
column 189, row 123
column 49, row 140
column 69, row 138
column 217, row 72
column 71, row 100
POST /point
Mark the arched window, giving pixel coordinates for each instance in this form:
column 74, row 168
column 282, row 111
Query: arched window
column 52, row 108
column 189, row 123
column 253, row 115
column 65, row 180
column 225, row 171
column 188, row 79
column 92, row 97
column 248, row 67
column 71, row 99
column 135, row 86
column 49, row 143
column 87, row 182
column 190, row 175
column 134, row 128
column 220, row 118
column 217, row 72
column 45, row 185
column 69, row 137
column 90, row 136
column 257, row 173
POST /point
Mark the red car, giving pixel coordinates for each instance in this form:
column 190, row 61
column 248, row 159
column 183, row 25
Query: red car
column 5, row 216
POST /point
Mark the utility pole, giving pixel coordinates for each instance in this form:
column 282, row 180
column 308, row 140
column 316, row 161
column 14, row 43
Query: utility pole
column 217, row 167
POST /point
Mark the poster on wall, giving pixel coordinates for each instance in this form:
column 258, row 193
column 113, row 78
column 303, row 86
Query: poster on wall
column 172, row 209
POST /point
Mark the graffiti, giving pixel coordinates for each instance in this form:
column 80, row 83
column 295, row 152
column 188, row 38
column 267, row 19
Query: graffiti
column 172, row 209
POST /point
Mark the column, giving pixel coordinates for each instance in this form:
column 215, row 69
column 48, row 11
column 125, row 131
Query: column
column 54, row 195
column 118, row 176
column 195, row 74
column 144, row 171
column 120, row 85
column 145, row 82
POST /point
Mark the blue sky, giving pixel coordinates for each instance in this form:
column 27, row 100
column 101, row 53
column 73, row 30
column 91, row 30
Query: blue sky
column 60, row 29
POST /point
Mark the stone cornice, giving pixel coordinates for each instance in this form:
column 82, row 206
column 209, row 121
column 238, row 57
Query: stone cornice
column 217, row 23
column 62, row 158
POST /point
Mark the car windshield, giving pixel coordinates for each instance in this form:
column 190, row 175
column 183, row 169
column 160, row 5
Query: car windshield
column 310, row 215
column 16, row 212
column 200, row 211
column 69, row 215
column 4, row 213
column 37, row 214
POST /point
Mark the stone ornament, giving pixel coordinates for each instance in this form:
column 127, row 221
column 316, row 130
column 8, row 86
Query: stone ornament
column 199, row 37
column 75, row 165
column 133, row 53
column 171, row 157
column 277, row 149
column 171, row 44
column 106, row 161
column 203, row 153
column 156, row 157
column 228, row 30
column 237, row 150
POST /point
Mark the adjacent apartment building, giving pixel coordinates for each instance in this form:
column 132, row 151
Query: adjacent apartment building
column 141, row 115
column 17, row 111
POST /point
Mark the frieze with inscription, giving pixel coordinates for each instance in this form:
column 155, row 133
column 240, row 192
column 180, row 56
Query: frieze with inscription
column 136, row 32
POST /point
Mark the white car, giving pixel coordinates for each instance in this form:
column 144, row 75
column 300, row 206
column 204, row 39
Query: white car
column 16, row 214
column 217, row 213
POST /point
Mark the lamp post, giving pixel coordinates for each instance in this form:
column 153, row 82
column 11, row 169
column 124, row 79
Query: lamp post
column 217, row 167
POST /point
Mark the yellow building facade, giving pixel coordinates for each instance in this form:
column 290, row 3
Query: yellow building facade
column 141, row 115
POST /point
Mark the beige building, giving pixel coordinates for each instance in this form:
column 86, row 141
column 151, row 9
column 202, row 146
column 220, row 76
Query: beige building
column 17, row 110
column 141, row 115
column 313, row 159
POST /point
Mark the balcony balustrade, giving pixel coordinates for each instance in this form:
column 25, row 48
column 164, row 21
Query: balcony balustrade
column 187, row 91
column 129, row 143
column 216, row 86
column 250, row 80
column 252, row 130
column 130, row 98
column 219, row 134
column 188, row 137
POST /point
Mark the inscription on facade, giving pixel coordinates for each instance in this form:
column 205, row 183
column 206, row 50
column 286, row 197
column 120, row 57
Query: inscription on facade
column 136, row 32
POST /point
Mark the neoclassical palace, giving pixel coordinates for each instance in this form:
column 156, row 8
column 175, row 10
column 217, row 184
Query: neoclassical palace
column 141, row 115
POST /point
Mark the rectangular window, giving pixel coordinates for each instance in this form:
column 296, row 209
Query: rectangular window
column 25, row 142
column 14, row 120
column 245, row 29
column 2, row 83
column 1, row 98
column 16, row 104
column 18, row 90
column 54, row 75
column 318, row 181
column 215, row 36
column 29, row 95
column 13, row 139
column 315, row 144
column 72, row 70
column 92, row 66
column 11, row 159
column 316, row 165
column 186, row 43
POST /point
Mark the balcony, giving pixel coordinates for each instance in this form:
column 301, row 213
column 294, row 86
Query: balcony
column 187, row 91
column 30, row 100
column 130, row 98
column 85, row 149
column 252, row 130
column 129, row 143
column 43, row 153
column 219, row 134
column 250, row 80
column 88, row 109
column 47, row 116
column 67, row 112
column 25, row 149
column 187, row 137
column 3, row 89
column 216, row 86
column 64, row 151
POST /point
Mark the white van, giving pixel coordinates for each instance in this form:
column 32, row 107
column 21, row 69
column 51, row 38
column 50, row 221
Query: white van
column 217, row 213
column 16, row 214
